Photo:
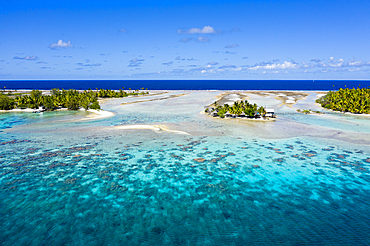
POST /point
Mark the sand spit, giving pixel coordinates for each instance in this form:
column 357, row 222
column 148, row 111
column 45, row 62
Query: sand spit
column 102, row 100
column 97, row 114
column 156, row 128
column 26, row 110
column 230, row 98
column 156, row 99
column 288, row 98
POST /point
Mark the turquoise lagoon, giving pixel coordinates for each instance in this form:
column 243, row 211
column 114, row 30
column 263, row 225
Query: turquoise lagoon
column 302, row 180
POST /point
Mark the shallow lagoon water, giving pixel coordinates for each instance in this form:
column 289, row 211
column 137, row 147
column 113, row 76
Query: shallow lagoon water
column 70, row 182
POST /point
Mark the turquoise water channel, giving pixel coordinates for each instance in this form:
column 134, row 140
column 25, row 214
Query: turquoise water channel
column 68, row 181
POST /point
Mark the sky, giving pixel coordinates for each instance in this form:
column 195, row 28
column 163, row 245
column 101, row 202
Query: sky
column 253, row 39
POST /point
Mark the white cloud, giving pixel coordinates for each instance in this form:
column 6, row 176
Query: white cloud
column 89, row 65
column 212, row 63
column 340, row 63
column 284, row 65
column 228, row 66
column 29, row 58
column 167, row 63
column 185, row 40
column 135, row 62
column 204, row 30
column 360, row 63
column 229, row 46
column 203, row 39
column 179, row 59
column 60, row 44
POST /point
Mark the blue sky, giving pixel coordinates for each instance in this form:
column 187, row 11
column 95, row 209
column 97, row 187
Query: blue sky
column 282, row 39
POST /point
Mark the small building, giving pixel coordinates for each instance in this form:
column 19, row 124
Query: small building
column 270, row 113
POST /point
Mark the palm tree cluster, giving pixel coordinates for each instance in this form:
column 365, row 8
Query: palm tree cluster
column 347, row 100
column 6, row 102
column 119, row 93
column 71, row 99
column 238, row 109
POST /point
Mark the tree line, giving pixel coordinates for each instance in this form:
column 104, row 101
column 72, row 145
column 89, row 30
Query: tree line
column 71, row 99
column 347, row 100
column 238, row 108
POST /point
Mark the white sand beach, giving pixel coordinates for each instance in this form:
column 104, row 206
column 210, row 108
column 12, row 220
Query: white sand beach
column 156, row 128
column 97, row 114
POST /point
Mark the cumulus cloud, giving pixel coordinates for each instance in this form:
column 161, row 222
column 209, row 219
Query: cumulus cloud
column 185, row 40
column 88, row 65
column 29, row 58
column 167, row 63
column 212, row 63
column 204, row 30
column 60, row 44
column 136, row 62
column 179, row 59
column 227, row 66
column 230, row 46
column 203, row 39
column 270, row 65
column 360, row 63
column 340, row 63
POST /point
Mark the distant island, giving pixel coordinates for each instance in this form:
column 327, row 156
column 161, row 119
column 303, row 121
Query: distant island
column 347, row 100
column 241, row 109
column 57, row 99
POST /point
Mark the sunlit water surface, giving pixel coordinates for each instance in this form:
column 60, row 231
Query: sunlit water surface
column 66, row 181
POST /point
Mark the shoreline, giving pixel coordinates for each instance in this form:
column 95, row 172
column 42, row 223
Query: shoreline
column 95, row 114
column 222, row 96
column 155, row 128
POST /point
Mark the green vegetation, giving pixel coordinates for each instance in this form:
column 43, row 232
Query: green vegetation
column 6, row 102
column 347, row 100
column 71, row 99
column 239, row 108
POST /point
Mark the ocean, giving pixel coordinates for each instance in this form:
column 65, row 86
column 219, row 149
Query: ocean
column 305, row 85
column 161, row 172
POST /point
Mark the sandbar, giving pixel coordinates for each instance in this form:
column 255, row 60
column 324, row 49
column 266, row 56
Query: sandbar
column 156, row 128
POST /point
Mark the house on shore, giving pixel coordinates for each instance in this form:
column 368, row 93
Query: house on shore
column 270, row 113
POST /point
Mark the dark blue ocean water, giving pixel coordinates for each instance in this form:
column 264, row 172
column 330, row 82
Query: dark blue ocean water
column 187, row 84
